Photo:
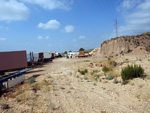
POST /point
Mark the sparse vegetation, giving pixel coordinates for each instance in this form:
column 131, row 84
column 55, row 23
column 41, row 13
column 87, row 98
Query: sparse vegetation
column 132, row 84
column 115, row 81
column 77, row 76
column 94, row 84
column 148, row 77
column 124, row 82
column 109, row 58
column 53, row 106
column 113, row 63
column 93, row 72
column 140, row 86
column 85, row 78
column 131, row 72
column 86, row 60
column 110, row 77
column 140, row 60
column 31, row 79
column 105, row 69
column 96, row 76
column 83, row 72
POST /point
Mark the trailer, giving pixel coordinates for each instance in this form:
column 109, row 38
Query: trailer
column 13, row 60
column 47, row 55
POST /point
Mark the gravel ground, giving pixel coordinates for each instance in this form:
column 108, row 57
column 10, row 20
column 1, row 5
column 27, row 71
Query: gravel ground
column 66, row 91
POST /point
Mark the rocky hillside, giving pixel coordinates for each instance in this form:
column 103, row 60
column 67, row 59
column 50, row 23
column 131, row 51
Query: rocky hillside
column 125, row 44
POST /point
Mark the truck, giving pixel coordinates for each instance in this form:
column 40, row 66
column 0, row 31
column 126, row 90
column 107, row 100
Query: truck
column 12, row 60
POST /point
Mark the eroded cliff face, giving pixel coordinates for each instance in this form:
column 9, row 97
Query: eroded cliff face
column 125, row 44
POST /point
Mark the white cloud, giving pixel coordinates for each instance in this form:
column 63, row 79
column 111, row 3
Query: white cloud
column 47, row 37
column 39, row 37
column 43, row 37
column 52, row 4
column 137, row 21
column 11, row 10
column 69, row 28
column 2, row 39
column 74, row 40
column 81, row 37
column 52, row 24
column 127, row 4
column 1, row 27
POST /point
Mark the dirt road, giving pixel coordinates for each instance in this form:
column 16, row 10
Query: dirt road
column 69, row 93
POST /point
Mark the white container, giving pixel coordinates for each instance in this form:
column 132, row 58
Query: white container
column 28, row 58
column 47, row 55
column 35, row 57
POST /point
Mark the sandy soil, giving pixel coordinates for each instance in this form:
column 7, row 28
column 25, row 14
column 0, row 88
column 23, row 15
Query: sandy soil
column 60, row 88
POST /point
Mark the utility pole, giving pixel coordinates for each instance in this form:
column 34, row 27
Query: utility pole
column 116, row 25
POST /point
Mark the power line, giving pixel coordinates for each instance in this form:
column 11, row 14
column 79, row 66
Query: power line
column 114, row 12
column 104, row 11
column 109, row 8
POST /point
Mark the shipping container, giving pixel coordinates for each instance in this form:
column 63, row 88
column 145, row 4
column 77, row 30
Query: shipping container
column 47, row 55
column 28, row 58
column 52, row 55
column 12, row 60
column 35, row 57
column 41, row 56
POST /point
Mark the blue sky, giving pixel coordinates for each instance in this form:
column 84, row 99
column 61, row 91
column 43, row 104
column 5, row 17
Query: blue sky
column 63, row 25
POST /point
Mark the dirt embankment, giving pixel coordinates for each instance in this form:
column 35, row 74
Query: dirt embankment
column 125, row 44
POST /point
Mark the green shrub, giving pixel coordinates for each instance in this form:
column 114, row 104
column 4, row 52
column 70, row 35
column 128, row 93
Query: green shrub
column 110, row 77
column 94, row 84
column 86, row 60
column 83, row 72
column 86, row 71
column 113, row 63
column 124, row 82
column 77, row 76
column 115, row 81
column 85, row 78
column 93, row 72
column 96, row 76
column 140, row 60
column 31, row 79
column 132, row 71
column 105, row 70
